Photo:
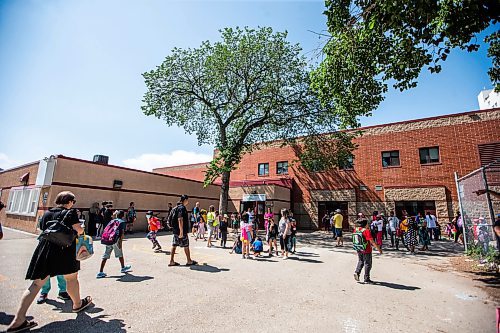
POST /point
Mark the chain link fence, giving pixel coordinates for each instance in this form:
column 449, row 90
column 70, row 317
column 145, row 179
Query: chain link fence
column 479, row 201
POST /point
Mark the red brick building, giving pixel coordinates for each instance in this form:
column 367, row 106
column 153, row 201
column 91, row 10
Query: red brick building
column 400, row 166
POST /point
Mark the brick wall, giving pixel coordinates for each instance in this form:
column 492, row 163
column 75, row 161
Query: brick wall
column 457, row 137
column 191, row 171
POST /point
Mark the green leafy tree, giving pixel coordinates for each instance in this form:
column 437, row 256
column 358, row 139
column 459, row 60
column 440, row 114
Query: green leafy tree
column 252, row 86
column 372, row 43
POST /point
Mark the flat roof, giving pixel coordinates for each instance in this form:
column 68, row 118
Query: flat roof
column 20, row 166
column 450, row 115
column 125, row 168
column 183, row 165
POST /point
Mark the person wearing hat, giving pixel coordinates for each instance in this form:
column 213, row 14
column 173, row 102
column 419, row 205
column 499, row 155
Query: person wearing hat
column 180, row 225
column 223, row 230
column 338, row 219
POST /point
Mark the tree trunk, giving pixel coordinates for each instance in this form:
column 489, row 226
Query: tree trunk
column 224, row 192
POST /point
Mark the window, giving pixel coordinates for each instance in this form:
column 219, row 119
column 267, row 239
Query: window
column 429, row 155
column 489, row 152
column 23, row 201
column 390, row 158
column 348, row 164
column 282, row 168
column 263, row 169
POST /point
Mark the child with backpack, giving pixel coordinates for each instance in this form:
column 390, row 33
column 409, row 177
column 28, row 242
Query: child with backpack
column 112, row 237
column 246, row 235
column 362, row 241
column 154, row 225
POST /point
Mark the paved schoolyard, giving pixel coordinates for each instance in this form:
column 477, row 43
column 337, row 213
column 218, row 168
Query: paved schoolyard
column 312, row 292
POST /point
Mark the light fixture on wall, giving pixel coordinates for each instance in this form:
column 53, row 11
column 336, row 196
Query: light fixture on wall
column 117, row 184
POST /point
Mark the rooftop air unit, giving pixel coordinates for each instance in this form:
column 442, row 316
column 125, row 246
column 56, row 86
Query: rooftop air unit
column 101, row 159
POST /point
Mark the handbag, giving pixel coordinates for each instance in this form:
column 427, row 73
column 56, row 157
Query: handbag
column 84, row 247
column 58, row 233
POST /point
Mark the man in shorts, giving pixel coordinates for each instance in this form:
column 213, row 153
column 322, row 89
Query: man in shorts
column 337, row 224
column 180, row 227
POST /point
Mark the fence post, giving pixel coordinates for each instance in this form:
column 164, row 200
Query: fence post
column 488, row 199
column 461, row 211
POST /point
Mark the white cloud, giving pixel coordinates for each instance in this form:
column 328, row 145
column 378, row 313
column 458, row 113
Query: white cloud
column 6, row 162
column 148, row 162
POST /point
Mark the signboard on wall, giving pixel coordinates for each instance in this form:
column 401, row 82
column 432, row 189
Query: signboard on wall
column 254, row 197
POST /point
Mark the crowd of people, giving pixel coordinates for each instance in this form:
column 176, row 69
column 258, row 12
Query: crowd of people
column 411, row 231
column 110, row 226
column 212, row 227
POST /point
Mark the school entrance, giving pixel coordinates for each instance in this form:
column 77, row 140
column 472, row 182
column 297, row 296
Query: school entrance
column 413, row 207
column 330, row 207
column 257, row 204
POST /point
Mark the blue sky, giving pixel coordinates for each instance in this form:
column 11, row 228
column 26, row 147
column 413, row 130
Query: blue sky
column 70, row 74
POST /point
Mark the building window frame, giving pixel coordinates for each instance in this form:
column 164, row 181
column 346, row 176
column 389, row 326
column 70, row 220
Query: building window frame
column 282, row 168
column 23, row 201
column 390, row 159
column 427, row 157
column 348, row 165
column 264, row 167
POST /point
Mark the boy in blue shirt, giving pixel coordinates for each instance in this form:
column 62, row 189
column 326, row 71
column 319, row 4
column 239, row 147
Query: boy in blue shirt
column 258, row 247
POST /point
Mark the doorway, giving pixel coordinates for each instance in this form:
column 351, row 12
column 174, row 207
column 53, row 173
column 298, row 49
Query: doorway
column 413, row 207
column 258, row 207
column 331, row 206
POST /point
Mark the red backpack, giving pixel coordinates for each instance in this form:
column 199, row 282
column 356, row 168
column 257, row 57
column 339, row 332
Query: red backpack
column 110, row 234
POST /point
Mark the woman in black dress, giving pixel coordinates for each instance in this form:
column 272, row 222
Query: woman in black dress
column 51, row 260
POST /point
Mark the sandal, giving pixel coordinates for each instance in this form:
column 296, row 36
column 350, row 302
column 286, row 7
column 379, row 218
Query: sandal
column 193, row 263
column 28, row 324
column 174, row 264
column 85, row 304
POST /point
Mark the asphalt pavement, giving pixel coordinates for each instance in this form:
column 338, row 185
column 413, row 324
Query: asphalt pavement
column 313, row 291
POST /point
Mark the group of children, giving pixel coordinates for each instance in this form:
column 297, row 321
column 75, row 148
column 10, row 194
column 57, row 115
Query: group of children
column 247, row 240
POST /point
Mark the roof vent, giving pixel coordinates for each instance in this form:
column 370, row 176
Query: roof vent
column 101, row 159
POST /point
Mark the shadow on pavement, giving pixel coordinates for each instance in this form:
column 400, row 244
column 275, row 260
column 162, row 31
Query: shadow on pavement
column 306, row 254
column 263, row 259
column 311, row 261
column 208, row 268
column 491, row 279
column 6, row 319
column 84, row 323
column 443, row 248
column 127, row 277
column 395, row 286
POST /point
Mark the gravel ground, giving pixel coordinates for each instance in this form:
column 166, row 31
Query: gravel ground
column 313, row 291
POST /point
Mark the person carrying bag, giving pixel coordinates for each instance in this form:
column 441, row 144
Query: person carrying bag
column 57, row 232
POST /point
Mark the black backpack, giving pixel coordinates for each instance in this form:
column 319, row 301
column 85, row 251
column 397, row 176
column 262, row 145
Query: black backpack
column 172, row 217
